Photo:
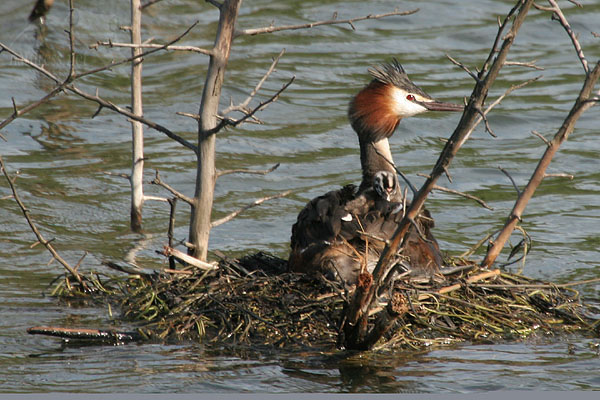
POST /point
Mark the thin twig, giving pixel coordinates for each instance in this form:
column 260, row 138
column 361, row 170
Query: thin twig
column 138, row 56
column 71, row 42
column 17, row 113
column 464, row 67
column 350, row 21
column 456, row 192
column 243, row 107
column 505, row 172
column 234, row 214
column 149, row 3
column 248, row 171
column 558, row 14
column 582, row 103
column 495, row 103
column 568, row 176
column 36, row 231
column 194, row 49
column 179, row 195
column 101, row 102
column 541, row 137
column 530, row 64
column 231, row 122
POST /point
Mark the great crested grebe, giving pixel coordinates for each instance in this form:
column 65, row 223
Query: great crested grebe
column 344, row 231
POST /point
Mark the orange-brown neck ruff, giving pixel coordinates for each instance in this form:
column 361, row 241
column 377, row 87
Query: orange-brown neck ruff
column 371, row 113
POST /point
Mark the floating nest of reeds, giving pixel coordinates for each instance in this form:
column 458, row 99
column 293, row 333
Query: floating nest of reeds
column 254, row 301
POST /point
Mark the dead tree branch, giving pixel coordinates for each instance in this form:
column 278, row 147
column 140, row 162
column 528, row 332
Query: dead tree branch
column 584, row 101
column 505, row 172
column 243, row 106
column 255, row 203
column 35, row 230
column 68, row 85
column 581, row 105
column 494, row 104
column 249, row 114
column 350, row 21
column 248, row 171
column 458, row 193
column 558, row 15
column 179, row 195
column 17, row 113
column 194, row 49
column 186, row 259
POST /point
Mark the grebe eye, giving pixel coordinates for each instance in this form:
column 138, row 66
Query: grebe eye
column 410, row 97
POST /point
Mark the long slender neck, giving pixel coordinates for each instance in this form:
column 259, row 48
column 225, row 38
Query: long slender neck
column 374, row 156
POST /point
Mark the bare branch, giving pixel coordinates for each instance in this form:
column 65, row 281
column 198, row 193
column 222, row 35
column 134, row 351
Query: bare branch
column 17, row 113
column 187, row 259
column 159, row 182
column 505, row 172
column 149, row 3
column 558, row 14
column 530, row 64
column 194, row 49
column 582, row 103
column 458, row 193
column 138, row 56
column 189, row 115
column 234, row 214
column 71, row 42
column 129, row 114
column 569, row 176
column 248, row 171
column 541, row 137
column 36, row 231
column 242, row 107
column 101, row 102
column 335, row 21
column 464, row 67
column 488, row 128
column 501, row 26
column 495, row 103
column 230, row 122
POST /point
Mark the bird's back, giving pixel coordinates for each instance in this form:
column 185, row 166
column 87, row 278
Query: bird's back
column 343, row 232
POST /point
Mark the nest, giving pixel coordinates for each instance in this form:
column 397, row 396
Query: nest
column 254, row 301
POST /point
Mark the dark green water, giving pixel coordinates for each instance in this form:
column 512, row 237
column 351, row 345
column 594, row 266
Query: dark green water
column 62, row 156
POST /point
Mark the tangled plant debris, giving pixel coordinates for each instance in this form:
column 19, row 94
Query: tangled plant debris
column 254, row 301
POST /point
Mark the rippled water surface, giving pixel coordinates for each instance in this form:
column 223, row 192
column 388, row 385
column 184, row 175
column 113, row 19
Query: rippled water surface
column 62, row 156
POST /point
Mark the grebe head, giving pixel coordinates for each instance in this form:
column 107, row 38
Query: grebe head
column 376, row 110
column 385, row 184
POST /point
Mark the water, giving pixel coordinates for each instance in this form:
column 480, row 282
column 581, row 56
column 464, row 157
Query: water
column 63, row 155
